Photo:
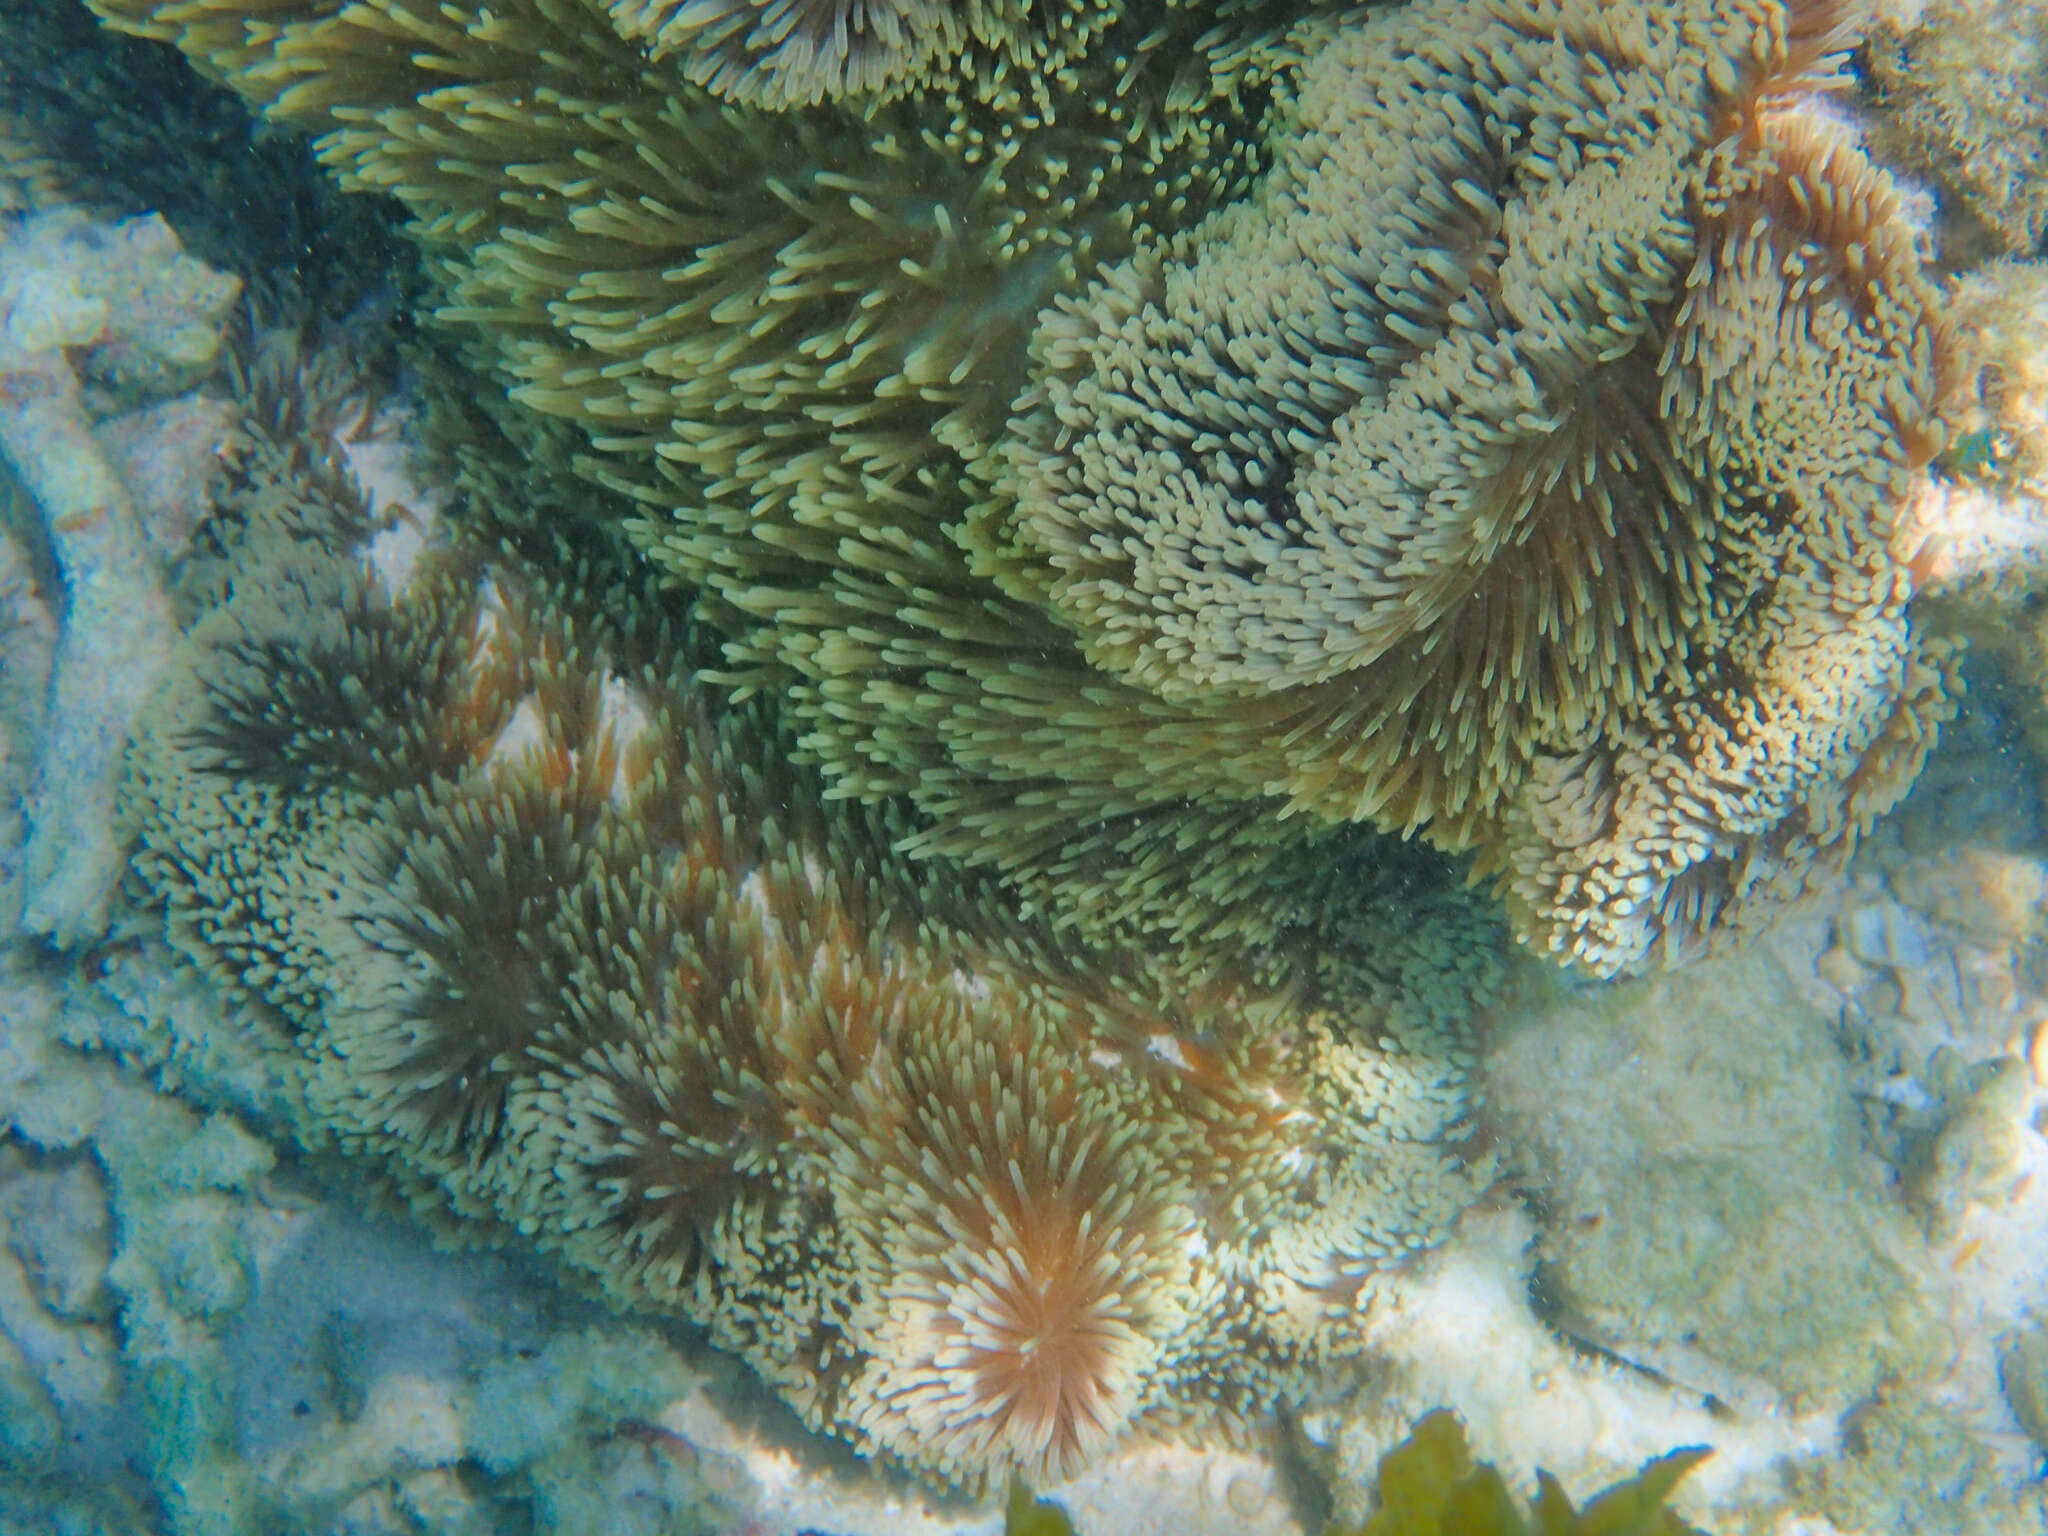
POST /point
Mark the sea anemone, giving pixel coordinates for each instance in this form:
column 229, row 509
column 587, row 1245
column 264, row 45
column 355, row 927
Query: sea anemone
column 582, row 957
column 789, row 337
column 1514, row 462
column 1553, row 401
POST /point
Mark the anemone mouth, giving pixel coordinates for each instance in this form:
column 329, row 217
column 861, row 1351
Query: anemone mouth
column 1039, row 1367
column 789, row 53
column 1028, row 1272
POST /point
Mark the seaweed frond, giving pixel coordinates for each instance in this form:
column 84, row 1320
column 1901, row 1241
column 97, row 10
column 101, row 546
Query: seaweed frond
column 1024, row 1515
column 1429, row 1485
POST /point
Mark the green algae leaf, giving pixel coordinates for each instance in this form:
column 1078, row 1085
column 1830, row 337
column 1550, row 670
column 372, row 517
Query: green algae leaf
column 1429, row 1483
column 1480, row 1504
column 1633, row 1508
column 1430, row 1486
column 1026, row 1516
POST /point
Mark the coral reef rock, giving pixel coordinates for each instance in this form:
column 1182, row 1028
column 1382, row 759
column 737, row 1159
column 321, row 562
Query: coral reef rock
column 94, row 320
column 1713, row 1213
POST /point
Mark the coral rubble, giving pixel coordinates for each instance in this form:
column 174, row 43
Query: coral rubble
column 192, row 1341
column 1524, row 479
column 94, row 319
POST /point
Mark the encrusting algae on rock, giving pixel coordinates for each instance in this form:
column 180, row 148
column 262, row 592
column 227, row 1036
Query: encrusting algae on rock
column 1523, row 479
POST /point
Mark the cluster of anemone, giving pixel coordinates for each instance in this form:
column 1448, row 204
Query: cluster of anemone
column 789, row 336
column 1157, row 442
column 537, row 923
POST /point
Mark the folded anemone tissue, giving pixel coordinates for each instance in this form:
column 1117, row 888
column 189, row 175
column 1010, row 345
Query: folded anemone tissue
column 905, row 766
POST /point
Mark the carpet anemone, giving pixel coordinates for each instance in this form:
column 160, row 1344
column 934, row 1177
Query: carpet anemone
column 1126, row 464
column 1128, row 460
column 1480, row 420
column 593, row 963
column 789, row 337
column 1523, row 457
